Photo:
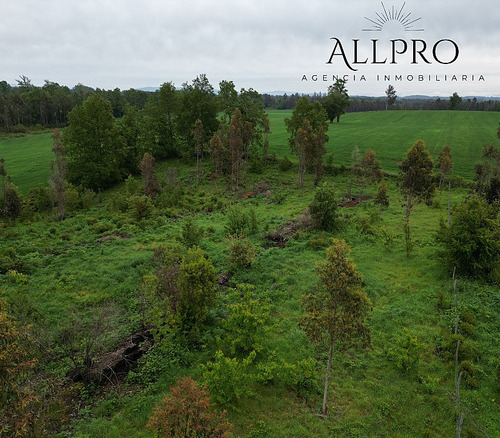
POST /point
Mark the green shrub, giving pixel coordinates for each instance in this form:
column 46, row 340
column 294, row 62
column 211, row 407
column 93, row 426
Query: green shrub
column 284, row 164
column 323, row 208
column 242, row 253
column 406, row 353
column 228, row 379
column 241, row 220
column 191, row 234
column 318, row 243
column 140, row 207
column 245, row 324
column 472, row 242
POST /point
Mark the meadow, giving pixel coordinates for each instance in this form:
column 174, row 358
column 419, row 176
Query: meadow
column 389, row 133
column 100, row 254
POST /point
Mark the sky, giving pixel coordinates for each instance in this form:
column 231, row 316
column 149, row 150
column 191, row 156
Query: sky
column 268, row 45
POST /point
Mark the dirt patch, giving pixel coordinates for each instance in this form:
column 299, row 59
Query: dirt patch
column 280, row 236
column 114, row 366
column 353, row 201
column 113, row 236
column 262, row 187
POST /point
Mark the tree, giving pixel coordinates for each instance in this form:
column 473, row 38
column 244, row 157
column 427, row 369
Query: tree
column 382, row 197
column 487, row 174
column 94, row 147
column 197, row 101
column 187, row 412
column 160, row 123
column 472, row 241
column 217, row 154
column 336, row 312
column 391, row 97
column 59, row 169
column 198, row 139
column 444, row 164
column 305, row 109
column 304, row 145
column 323, row 208
column 336, row 101
column 12, row 205
column 455, row 101
column 416, row 178
column 150, row 184
column 370, row 170
column 235, row 147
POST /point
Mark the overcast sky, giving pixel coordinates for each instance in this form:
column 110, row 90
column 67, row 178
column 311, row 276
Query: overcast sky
column 264, row 44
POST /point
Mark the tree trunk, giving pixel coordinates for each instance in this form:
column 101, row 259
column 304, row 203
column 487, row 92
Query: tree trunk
column 449, row 202
column 327, row 378
column 408, row 208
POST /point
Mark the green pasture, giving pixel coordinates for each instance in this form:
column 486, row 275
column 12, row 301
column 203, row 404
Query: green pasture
column 392, row 133
column 389, row 133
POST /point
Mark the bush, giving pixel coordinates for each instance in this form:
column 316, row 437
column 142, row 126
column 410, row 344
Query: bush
column 242, row 253
column 382, row 197
column 227, row 379
column 187, row 411
column 241, row 221
column 406, row 353
column 472, row 242
column 245, row 324
column 284, row 164
column 11, row 204
column 37, row 200
column 323, row 208
column 191, row 234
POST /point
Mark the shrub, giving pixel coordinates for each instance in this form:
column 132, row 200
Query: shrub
column 227, row 379
column 241, row 221
column 245, row 324
column 472, row 242
column 11, row 205
column 284, row 164
column 187, row 411
column 323, row 208
column 140, row 207
column 406, row 353
column 191, row 234
column 242, row 253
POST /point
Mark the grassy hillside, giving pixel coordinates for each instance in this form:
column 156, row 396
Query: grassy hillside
column 391, row 133
column 58, row 275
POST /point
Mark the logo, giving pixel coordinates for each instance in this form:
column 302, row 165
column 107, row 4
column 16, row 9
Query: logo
column 414, row 51
column 393, row 14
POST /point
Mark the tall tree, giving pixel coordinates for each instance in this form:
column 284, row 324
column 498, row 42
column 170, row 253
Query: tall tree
column 150, row 184
column 235, row 147
column 455, row 101
column 160, row 127
column 304, row 145
column 416, row 177
column 390, row 96
column 217, row 153
column 336, row 100
column 336, row 313
column 59, row 169
column 198, row 101
column 370, row 169
column 416, row 181
column 198, row 138
column 94, row 147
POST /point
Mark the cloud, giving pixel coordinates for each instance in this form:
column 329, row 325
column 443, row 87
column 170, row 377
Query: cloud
column 260, row 44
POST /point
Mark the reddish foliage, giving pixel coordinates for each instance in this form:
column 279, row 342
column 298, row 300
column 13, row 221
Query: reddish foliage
column 186, row 411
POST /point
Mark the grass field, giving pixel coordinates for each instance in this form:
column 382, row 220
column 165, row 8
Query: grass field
column 392, row 133
column 389, row 133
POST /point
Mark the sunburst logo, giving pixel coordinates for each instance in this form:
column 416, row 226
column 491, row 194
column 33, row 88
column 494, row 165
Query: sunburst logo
column 393, row 14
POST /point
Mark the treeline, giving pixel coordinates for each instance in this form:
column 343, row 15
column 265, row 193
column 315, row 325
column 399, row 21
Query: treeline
column 26, row 106
column 366, row 103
